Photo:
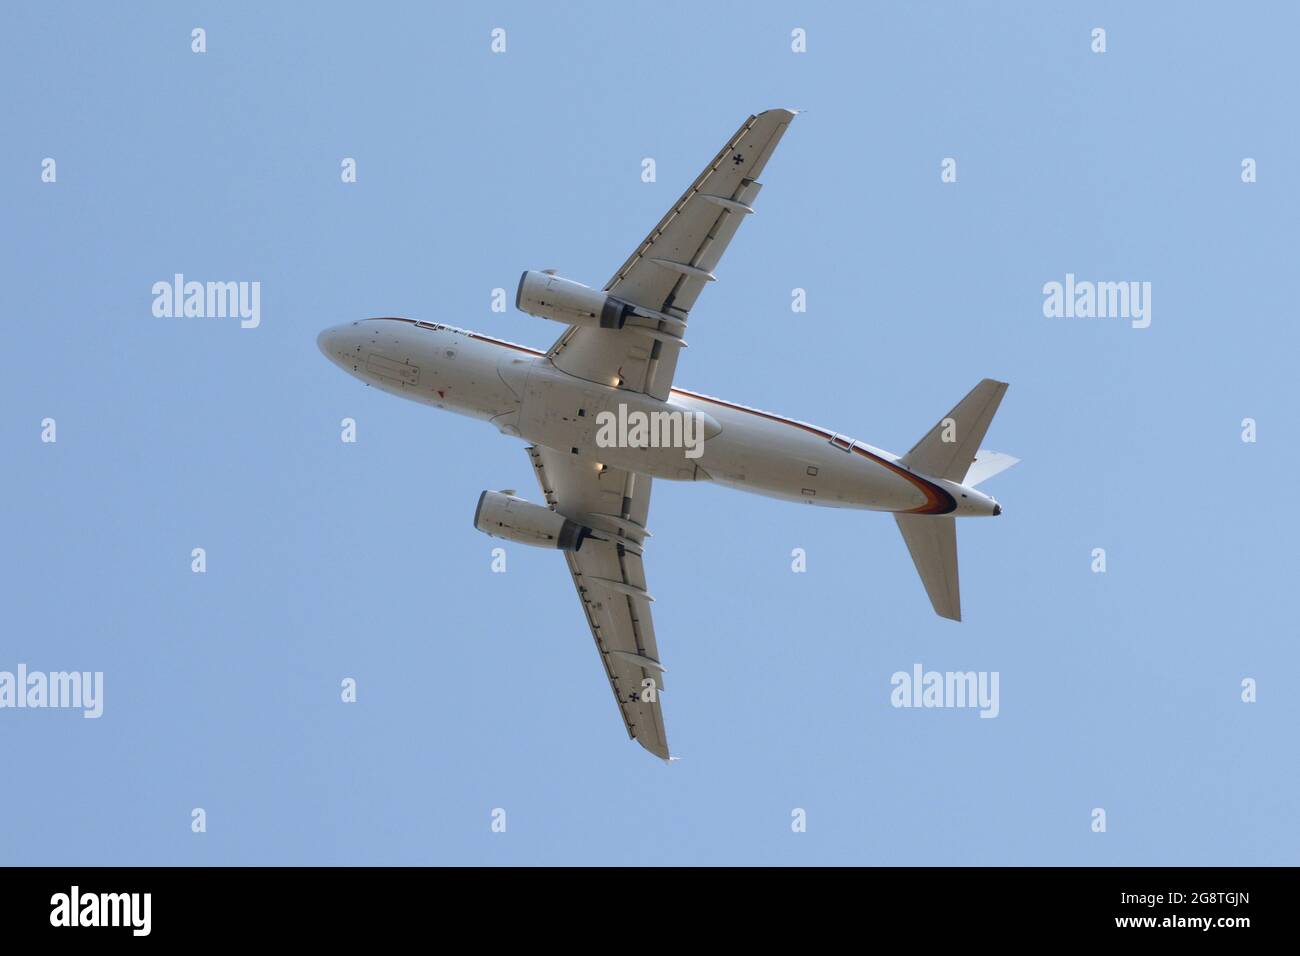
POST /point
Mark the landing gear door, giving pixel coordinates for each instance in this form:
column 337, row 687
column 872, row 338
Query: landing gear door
column 588, row 416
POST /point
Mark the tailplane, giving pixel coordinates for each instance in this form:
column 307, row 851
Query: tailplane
column 950, row 451
column 932, row 542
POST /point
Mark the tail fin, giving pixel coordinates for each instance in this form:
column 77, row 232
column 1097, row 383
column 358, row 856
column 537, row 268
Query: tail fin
column 932, row 543
column 948, row 449
column 987, row 464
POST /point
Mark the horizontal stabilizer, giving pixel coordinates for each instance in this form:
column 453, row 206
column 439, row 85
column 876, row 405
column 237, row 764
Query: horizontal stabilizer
column 948, row 449
column 932, row 542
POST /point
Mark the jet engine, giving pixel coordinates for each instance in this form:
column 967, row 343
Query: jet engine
column 571, row 303
column 502, row 515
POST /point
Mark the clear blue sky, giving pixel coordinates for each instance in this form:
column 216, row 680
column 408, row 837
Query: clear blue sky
column 481, row 690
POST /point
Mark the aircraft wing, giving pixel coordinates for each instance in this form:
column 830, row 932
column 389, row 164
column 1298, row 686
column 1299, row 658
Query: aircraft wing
column 608, row 574
column 670, row 267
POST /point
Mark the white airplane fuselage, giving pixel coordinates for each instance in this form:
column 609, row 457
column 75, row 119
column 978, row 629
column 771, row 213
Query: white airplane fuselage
column 520, row 392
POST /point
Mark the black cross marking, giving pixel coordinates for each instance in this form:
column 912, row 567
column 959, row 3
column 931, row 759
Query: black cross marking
column 737, row 159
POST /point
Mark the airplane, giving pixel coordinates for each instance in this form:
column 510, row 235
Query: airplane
column 592, row 406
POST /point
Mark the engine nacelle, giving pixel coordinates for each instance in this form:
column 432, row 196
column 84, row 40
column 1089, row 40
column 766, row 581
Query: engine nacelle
column 572, row 303
column 504, row 516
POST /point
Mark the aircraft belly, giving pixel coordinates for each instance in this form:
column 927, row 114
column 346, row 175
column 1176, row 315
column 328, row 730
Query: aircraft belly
column 598, row 423
column 778, row 461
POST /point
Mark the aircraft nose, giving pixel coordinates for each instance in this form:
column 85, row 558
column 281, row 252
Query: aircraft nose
column 330, row 341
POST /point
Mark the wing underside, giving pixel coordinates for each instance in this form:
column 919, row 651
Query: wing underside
column 609, row 576
column 669, row 269
column 662, row 279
